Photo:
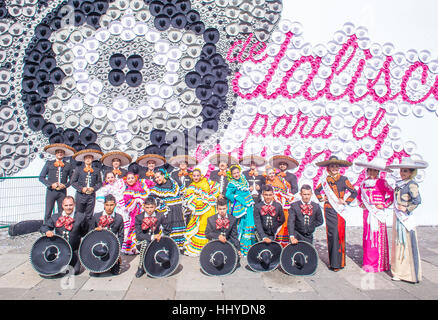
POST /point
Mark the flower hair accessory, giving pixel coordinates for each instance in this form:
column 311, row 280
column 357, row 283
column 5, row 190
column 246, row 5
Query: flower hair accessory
column 234, row 166
column 165, row 173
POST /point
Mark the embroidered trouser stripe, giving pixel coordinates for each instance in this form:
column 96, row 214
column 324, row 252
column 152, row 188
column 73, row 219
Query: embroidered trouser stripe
column 143, row 246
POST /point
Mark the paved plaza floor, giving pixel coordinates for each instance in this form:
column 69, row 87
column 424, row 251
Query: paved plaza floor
column 18, row 280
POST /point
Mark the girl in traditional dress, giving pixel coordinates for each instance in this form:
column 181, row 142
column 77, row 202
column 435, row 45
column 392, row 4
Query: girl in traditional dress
column 167, row 190
column 133, row 198
column 283, row 195
column 200, row 196
column 113, row 186
column 242, row 207
column 405, row 256
column 375, row 195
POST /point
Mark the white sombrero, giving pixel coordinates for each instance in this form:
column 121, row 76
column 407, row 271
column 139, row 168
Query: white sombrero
column 80, row 155
column 176, row 160
column 222, row 157
column 410, row 164
column 376, row 163
column 51, row 148
column 246, row 161
column 108, row 158
column 143, row 160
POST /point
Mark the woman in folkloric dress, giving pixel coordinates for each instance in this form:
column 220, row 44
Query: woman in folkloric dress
column 374, row 196
column 200, row 196
column 405, row 256
column 113, row 186
column 242, row 207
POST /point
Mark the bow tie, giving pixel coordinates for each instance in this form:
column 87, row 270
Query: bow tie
column 282, row 174
column 117, row 172
column 333, row 179
column 65, row 221
column 150, row 173
column 222, row 173
column 149, row 222
column 268, row 209
column 306, row 209
column 183, row 173
column 222, row 223
column 105, row 221
column 59, row 163
column 253, row 173
column 88, row 170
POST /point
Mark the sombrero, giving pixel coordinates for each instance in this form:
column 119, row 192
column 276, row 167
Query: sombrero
column 51, row 148
column 246, row 161
column 222, row 157
column 161, row 257
column 410, row 164
column 80, row 155
column 218, row 259
column 143, row 160
column 334, row 160
column 276, row 160
column 376, row 163
column 99, row 250
column 263, row 257
column 49, row 256
column 175, row 161
column 107, row 159
column 299, row 259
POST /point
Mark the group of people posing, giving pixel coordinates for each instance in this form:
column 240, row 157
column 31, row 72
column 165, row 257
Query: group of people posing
column 242, row 207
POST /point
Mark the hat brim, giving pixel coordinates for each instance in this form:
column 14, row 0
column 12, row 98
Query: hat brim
column 89, row 260
column 107, row 159
column 417, row 164
column 258, row 266
column 175, row 161
column 373, row 166
column 228, row 250
column 304, row 248
column 40, row 264
column 222, row 157
column 80, row 155
column 51, row 148
column 143, row 160
column 247, row 160
column 291, row 162
column 154, row 268
column 341, row 163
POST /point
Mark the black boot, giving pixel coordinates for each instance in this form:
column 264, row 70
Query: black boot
column 116, row 268
column 139, row 273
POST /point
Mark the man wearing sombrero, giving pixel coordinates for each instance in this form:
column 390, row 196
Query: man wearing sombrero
column 86, row 180
column 255, row 179
column 56, row 176
column 284, row 163
column 222, row 161
column 181, row 174
column 334, row 186
column 114, row 161
column 150, row 162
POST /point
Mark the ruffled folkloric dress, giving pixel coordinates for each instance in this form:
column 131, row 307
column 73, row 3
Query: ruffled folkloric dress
column 375, row 237
column 242, row 207
column 116, row 189
column 200, row 198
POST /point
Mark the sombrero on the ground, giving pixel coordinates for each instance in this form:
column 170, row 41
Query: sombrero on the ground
column 161, row 257
column 276, row 160
column 218, row 259
column 107, row 159
column 80, row 155
column 175, row 161
column 334, row 160
column 222, row 157
column 263, row 257
column 49, row 256
column 143, row 160
column 51, row 148
column 99, row 250
column 410, row 164
column 299, row 259
column 246, row 161
column 376, row 163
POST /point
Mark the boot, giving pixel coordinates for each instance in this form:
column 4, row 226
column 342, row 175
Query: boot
column 139, row 273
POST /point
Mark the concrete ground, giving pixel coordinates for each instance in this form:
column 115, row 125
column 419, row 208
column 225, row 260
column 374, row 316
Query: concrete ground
column 18, row 280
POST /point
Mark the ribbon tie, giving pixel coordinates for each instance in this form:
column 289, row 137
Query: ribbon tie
column 253, row 173
column 183, row 173
column 222, row 173
column 65, row 221
column 306, row 209
column 117, row 172
column 282, row 174
column 88, row 170
column 105, row 221
column 222, row 223
column 150, row 173
column 149, row 222
column 268, row 209
column 59, row 163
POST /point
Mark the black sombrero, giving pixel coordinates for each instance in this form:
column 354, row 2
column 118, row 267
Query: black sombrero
column 161, row 257
column 50, row 256
column 218, row 259
column 99, row 250
column 263, row 257
column 299, row 259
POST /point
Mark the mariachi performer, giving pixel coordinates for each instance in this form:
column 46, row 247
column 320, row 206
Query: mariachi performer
column 335, row 186
column 86, row 180
column 255, row 179
column 56, row 176
column 405, row 256
column 200, row 196
column 222, row 161
column 111, row 220
column 71, row 225
column 113, row 186
column 284, row 163
column 374, row 196
column 241, row 207
column 151, row 162
column 304, row 217
column 114, row 161
column 268, row 216
column 149, row 225
column 168, row 192
column 283, row 195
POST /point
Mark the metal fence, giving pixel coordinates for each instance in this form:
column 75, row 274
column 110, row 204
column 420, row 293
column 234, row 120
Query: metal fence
column 21, row 198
